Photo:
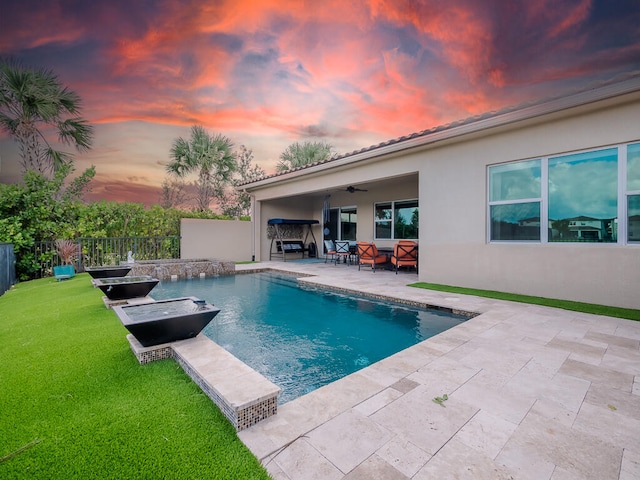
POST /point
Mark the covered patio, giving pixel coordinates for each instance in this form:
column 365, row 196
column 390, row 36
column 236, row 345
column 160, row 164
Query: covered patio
column 532, row 393
column 344, row 210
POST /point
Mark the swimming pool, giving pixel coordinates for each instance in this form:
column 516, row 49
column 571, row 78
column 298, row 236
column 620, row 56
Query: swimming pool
column 301, row 337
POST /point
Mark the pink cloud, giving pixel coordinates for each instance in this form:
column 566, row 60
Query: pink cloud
column 272, row 72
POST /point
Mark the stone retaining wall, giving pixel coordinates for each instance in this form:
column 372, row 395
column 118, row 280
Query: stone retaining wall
column 166, row 269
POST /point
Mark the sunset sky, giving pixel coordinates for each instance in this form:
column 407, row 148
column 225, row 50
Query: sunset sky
column 273, row 72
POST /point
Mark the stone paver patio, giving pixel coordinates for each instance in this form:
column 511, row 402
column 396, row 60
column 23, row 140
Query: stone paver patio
column 533, row 393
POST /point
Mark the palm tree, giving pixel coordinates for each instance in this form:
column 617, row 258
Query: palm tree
column 32, row 99
column 211, row 157
column 298, row 155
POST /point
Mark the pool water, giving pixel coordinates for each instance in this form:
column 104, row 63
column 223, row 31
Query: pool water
column 301, row 337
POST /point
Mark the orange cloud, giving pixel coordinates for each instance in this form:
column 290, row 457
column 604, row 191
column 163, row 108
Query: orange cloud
column 270, row 72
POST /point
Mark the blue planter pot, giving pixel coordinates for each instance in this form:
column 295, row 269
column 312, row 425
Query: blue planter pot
column 62, row 272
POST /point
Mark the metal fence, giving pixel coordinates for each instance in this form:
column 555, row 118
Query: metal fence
column 7, row 267
column 109, row 251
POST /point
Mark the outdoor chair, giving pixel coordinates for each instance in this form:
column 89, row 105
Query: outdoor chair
column 330, row 250
column 368, row 255
column 405, row 254
column 342, row 252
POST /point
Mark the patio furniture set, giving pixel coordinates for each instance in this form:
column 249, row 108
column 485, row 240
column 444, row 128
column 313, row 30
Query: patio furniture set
column 403, row 254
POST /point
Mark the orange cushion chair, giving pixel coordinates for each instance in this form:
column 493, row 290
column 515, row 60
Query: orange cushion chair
column 368, row 255
column 405, row 254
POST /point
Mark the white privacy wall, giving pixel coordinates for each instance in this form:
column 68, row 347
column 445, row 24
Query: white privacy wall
column 228, row 240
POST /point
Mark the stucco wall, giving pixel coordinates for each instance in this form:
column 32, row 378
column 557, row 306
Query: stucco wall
column 227, row 240
column 453, row 217
column 450, row 179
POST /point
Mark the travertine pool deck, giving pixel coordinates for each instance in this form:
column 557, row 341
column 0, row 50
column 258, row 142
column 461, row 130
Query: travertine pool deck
column 533, row 393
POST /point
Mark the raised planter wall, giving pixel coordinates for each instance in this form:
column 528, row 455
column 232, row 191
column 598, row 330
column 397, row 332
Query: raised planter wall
column 167, row 269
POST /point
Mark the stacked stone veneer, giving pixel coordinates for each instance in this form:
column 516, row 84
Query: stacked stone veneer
column 177, row 268
column 243, row 395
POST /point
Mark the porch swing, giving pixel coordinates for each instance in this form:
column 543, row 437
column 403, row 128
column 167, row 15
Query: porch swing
column 290, row 237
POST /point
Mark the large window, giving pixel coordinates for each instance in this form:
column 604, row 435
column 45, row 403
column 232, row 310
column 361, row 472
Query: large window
column 396, row 220
column 633, row 193
column 567, row 198
column 514, row 201
column 583, row 197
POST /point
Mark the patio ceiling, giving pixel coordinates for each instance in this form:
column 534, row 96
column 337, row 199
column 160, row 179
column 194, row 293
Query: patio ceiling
column 368, row 189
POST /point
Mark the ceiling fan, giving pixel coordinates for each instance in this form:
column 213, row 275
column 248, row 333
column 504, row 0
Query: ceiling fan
column 352, row 189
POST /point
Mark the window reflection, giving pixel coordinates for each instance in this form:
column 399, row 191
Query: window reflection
column 397, row 220
column 405, row 218
column 511, row 217
column 633, row 225
column 583, row 197
column 383, row 211
column 519, row 221
column 348, row 223
column 515, row 181
column 633, row 186
column 633, row 167
column 383, row 229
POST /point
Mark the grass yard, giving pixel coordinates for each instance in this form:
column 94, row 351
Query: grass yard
column 593, row 308
column 75, row 402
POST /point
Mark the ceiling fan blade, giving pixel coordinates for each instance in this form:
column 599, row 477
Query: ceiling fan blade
column 352, row 189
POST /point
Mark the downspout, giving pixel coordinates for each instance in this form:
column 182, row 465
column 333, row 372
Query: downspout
column 253, row 226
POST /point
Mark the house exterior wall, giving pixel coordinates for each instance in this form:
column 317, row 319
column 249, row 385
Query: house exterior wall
column 453, row 217
column 229, row 240
column 449, row 177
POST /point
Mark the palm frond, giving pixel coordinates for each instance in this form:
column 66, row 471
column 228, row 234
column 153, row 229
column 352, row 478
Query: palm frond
column 31, row 99
column 76, row 132
column 58, row 158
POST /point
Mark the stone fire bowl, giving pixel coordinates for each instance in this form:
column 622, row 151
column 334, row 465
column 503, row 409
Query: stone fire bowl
column 123, row 288
column 166, row 321
column 108, row 271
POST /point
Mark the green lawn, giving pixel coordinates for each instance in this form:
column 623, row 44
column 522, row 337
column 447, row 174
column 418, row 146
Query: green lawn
column 593, row 308
column 75, row 403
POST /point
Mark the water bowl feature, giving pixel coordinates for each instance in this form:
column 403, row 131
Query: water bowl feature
column 166, row 320
column 123, row 288
column 108, row 271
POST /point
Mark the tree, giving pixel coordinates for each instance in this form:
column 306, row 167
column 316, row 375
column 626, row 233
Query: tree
column 32, row 101
column 173, row 193
column 39, row 210
column 211, row 157
column 298, row 155
column 237, row 203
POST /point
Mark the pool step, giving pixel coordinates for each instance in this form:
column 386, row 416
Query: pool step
column 244, row 395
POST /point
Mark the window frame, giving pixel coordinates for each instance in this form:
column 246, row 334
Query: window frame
column 392, row 220
column 623, row 195
column 623, row 227
column 491, row 203
column 351, row 210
